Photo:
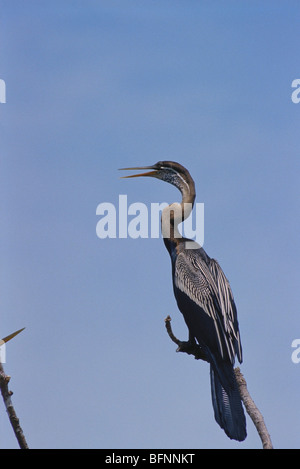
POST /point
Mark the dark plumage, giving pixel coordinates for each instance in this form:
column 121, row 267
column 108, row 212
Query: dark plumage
column 204, row 297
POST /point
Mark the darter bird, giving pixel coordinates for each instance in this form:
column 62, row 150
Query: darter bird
column 205, row 299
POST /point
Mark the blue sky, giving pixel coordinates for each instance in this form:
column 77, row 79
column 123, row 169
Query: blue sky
column 92, row 86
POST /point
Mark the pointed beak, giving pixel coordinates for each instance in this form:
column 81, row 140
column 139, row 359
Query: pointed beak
column 11, row 336
column 150, row 173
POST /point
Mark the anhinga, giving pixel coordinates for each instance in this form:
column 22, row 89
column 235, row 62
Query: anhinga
column 204, row 297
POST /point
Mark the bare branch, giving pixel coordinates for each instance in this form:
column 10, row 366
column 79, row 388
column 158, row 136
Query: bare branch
column 170, row 332
column 192, row 348
column 253, row 411
column 6, row 394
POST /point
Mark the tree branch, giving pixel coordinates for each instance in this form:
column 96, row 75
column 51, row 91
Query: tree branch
column 252, row 410
column 192, row 348
column 6, row 394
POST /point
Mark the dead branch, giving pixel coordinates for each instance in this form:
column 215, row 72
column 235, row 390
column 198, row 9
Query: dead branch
column 192, row 348
column 6, row 394
column 252, row 410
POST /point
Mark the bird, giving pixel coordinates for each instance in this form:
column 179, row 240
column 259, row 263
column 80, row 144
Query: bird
column 205, row 299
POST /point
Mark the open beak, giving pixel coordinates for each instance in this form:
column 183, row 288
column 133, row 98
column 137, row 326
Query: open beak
column 11, row 336
column 150, row 173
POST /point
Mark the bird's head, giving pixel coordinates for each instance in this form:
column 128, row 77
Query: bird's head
column 171, row 172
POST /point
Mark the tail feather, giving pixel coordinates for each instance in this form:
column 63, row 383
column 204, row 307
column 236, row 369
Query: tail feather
column 228, row 409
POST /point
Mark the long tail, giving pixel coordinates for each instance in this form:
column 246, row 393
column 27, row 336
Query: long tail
column 228, row 409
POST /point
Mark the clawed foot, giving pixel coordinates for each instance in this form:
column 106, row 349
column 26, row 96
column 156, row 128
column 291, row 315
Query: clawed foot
column 191, row 348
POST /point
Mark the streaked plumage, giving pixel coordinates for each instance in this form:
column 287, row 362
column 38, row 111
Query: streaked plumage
column 205, row 299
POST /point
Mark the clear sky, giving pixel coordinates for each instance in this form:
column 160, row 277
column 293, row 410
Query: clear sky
column 93, row 86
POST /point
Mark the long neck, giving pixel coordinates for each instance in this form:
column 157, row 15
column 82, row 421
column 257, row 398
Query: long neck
column 186, row 186
column 176, row 213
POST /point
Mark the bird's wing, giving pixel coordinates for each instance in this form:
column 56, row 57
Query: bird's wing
column 227, row 306
column 204, row 282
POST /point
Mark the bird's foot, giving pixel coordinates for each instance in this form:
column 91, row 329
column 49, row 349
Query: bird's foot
column 191, row 348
